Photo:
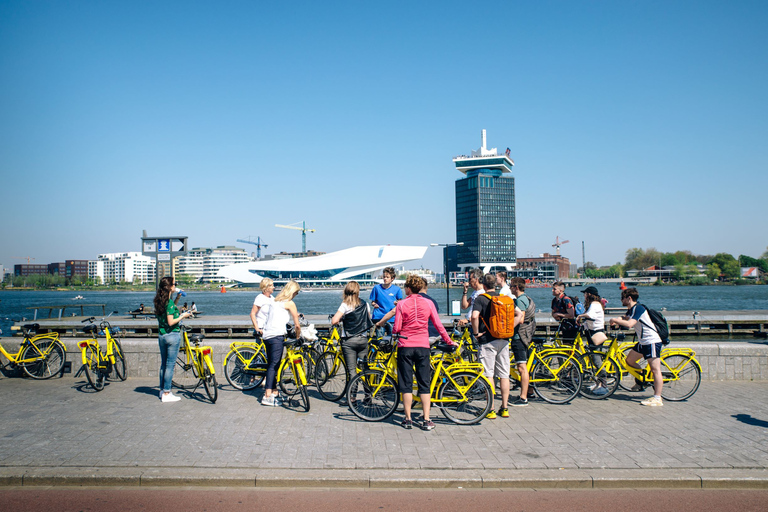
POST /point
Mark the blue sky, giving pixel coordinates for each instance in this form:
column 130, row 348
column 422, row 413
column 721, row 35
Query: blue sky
column 632, row 123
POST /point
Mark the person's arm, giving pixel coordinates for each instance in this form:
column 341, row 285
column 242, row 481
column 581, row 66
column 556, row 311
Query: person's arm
column 464, row 298
column 255, row 311
column 398, row 319
column 291, row 308
column 337, row 317
column 476, row 324
column 438, row 324
column 519, row 316
column 173, row 321
column 372, row 297
column 569, row 313
column 383, row 320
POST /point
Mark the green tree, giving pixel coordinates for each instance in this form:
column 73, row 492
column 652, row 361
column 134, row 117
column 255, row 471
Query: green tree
column 731, row 269
column 721, row 259
column 713, row 271
column 748, row 261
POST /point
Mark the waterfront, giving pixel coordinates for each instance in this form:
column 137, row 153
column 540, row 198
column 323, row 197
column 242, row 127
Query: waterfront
column 14, row 304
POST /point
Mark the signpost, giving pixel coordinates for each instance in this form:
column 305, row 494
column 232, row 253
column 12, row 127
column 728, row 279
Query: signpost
column 164, row 249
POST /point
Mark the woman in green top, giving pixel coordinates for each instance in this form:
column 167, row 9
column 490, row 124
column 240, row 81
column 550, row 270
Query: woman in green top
column 168, row 318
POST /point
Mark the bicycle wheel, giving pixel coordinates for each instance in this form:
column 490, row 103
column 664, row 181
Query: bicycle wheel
column 244, row 371
column 556, row 378
column 120, row 366
column 304, row 397
column 600, row 376
column 184, row 372
column 688, row 377
column 286, row 380
column 372, row 395
column 331, row 376
column 311, row 356
column 468, row 403
column 209, row 383
column 49, row 357
column 92, row 374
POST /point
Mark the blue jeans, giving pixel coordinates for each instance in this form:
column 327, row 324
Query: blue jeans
column 169, row 350
column 274, row 348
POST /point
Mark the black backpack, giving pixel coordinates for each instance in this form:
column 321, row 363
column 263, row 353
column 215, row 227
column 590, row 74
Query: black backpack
column 660, row 324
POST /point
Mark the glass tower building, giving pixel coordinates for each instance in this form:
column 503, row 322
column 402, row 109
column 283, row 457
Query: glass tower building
column 485, row 211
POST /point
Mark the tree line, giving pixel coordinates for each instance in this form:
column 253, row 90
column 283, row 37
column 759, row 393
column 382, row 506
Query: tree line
column 720, row 266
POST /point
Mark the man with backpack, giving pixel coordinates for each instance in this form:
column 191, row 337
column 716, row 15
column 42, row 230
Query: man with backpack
column 492, row 315
column 648, row 346
column 525, row 309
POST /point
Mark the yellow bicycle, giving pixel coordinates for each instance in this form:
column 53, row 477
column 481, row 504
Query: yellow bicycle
column 292, row 373
column 459, row 390
column 554, row 373
column 97, row 365
column 40, row 356
column 194, row 365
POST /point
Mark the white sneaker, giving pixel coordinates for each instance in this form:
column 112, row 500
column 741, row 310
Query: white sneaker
column 653, row 401
column 268, row 401
column 170, row 397
column 278, row 400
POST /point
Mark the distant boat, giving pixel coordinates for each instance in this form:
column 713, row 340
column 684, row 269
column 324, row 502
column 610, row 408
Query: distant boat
column 79, row 297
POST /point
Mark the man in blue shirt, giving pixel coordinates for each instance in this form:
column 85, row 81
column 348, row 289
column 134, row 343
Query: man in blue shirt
column 383, row 299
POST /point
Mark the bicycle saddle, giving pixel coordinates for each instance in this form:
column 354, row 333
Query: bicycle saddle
column 196, row 338
column 90, row 329
column 444, row 347
column 30, row 327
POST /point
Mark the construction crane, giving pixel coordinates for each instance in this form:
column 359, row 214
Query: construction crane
column 28, row 258
column 258, row 243
column 303, row 230
column 558, row 243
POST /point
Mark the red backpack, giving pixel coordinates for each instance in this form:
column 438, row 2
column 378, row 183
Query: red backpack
column 501, row 323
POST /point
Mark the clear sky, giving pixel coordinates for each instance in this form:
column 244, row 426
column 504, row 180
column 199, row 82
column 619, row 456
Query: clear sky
column 631, row 123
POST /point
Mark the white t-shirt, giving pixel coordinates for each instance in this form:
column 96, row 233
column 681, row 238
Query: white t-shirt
column 644, row 328
column 346, row 308
column 277, row 317
column 596, row 316
column 262, row 302
column 506, row 291
column 475, row 294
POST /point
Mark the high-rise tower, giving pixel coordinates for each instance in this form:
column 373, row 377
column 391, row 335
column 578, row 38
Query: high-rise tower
column 485, row 210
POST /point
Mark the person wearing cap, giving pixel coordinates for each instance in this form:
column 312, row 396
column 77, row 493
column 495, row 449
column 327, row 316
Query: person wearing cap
column 594, row 317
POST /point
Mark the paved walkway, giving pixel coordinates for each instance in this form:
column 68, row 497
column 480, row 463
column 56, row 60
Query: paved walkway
column 51, row 429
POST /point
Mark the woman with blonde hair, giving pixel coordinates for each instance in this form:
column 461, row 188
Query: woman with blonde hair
column 261, row 305
column 355, row 315
column 274, row 331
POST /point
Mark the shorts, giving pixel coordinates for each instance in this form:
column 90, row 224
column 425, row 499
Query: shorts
column 519, row 351
column 494, row 356
column 407, row 358
column 649, row 350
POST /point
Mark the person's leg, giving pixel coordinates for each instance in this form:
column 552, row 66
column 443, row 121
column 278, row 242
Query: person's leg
column 405, row 381
column 504, row 393
column 172, row 342
column 501, row 369
column 520, row 356
column 423, row 377
column 407, row 401
column 274, row 348
column 487, row 357
column 163, row 345
column 658, row 380
column 633, row 359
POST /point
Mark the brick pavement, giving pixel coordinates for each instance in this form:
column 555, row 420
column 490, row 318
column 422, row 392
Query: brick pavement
column 61, row 423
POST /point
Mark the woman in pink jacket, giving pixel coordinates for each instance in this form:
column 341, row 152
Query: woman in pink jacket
column 412, row 316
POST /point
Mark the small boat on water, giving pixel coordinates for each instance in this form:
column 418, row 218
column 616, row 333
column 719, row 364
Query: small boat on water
column 79, row 297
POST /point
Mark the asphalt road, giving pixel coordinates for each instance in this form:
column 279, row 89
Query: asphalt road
column 341, row 500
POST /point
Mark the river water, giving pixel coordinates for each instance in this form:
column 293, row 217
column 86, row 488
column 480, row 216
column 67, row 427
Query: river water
column 14, row 304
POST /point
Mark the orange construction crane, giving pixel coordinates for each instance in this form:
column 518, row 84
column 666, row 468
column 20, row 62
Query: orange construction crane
column 28, row 258
column 558, row 243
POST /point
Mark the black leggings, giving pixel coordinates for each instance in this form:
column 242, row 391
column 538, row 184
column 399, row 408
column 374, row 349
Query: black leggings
column 353, row 348
column 274, row 356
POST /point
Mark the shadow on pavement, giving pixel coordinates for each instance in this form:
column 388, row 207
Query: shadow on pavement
column 749, row 420
column 146, row 390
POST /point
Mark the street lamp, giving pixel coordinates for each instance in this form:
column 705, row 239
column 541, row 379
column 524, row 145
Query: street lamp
column 445, row 272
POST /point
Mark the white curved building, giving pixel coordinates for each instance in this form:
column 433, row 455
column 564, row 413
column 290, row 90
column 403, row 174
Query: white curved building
column 358, row 263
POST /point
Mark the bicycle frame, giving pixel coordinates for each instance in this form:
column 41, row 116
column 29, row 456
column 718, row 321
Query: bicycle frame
column 15, row 359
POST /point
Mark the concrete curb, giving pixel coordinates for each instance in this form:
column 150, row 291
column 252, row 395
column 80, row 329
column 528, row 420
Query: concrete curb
column 668, row 478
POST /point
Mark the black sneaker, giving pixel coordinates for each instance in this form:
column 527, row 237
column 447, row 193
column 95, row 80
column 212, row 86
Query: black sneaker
column 427, row 425
column 407, row 424
column 519, row 402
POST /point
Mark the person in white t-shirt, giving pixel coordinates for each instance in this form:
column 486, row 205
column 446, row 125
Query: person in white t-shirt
column 648, row 346
column 261, row 305
column 501, row 284
column 594, row 317
column 281, row 310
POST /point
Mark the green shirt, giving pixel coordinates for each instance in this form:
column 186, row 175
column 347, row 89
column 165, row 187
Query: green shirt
column 162, row 320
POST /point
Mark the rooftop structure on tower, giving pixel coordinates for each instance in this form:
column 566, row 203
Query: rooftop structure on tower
column 485, row 211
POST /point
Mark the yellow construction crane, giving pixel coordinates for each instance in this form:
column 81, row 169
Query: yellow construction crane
column 303, row 230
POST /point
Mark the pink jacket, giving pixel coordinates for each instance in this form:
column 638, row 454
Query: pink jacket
column 412, row 316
